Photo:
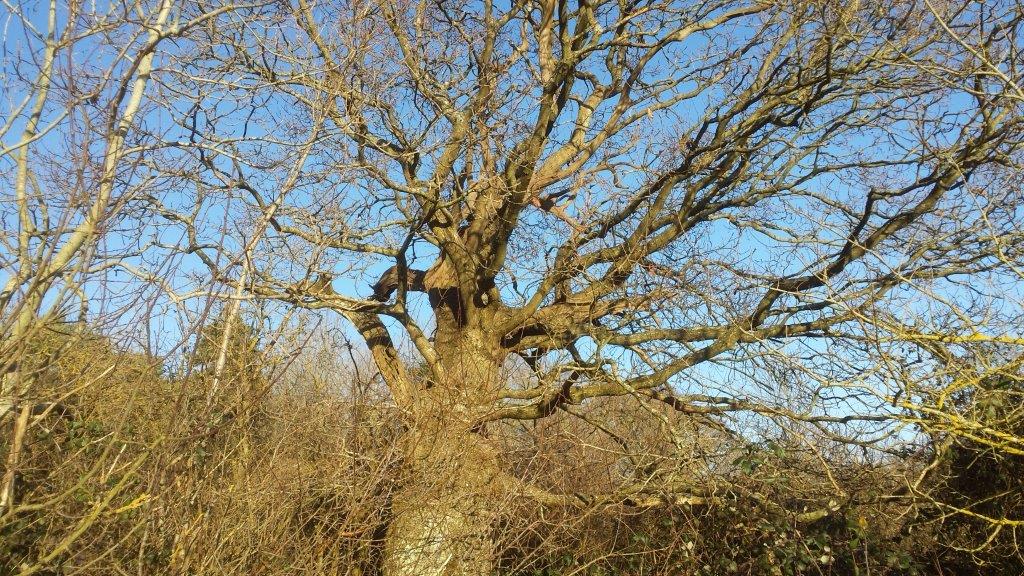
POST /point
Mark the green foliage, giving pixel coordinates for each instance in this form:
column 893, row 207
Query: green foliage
column 243, row 352
column 980, row 482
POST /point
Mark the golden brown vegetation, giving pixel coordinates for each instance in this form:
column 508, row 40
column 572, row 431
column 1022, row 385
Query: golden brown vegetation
column 136, row 472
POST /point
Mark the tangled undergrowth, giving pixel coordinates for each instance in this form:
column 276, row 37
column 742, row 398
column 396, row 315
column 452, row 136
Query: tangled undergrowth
column 142, row 471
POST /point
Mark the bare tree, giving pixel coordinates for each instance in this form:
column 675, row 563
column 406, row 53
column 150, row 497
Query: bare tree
column 759, row 215
column 53, row 95
column 75, row 79
column 731, row 208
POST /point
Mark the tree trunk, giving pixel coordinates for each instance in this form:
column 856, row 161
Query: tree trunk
column 444, row 512
column 442, row 515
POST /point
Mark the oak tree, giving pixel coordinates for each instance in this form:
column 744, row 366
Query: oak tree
column 762, row 215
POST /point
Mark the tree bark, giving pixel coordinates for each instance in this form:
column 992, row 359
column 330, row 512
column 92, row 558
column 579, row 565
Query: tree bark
column 443, row 513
